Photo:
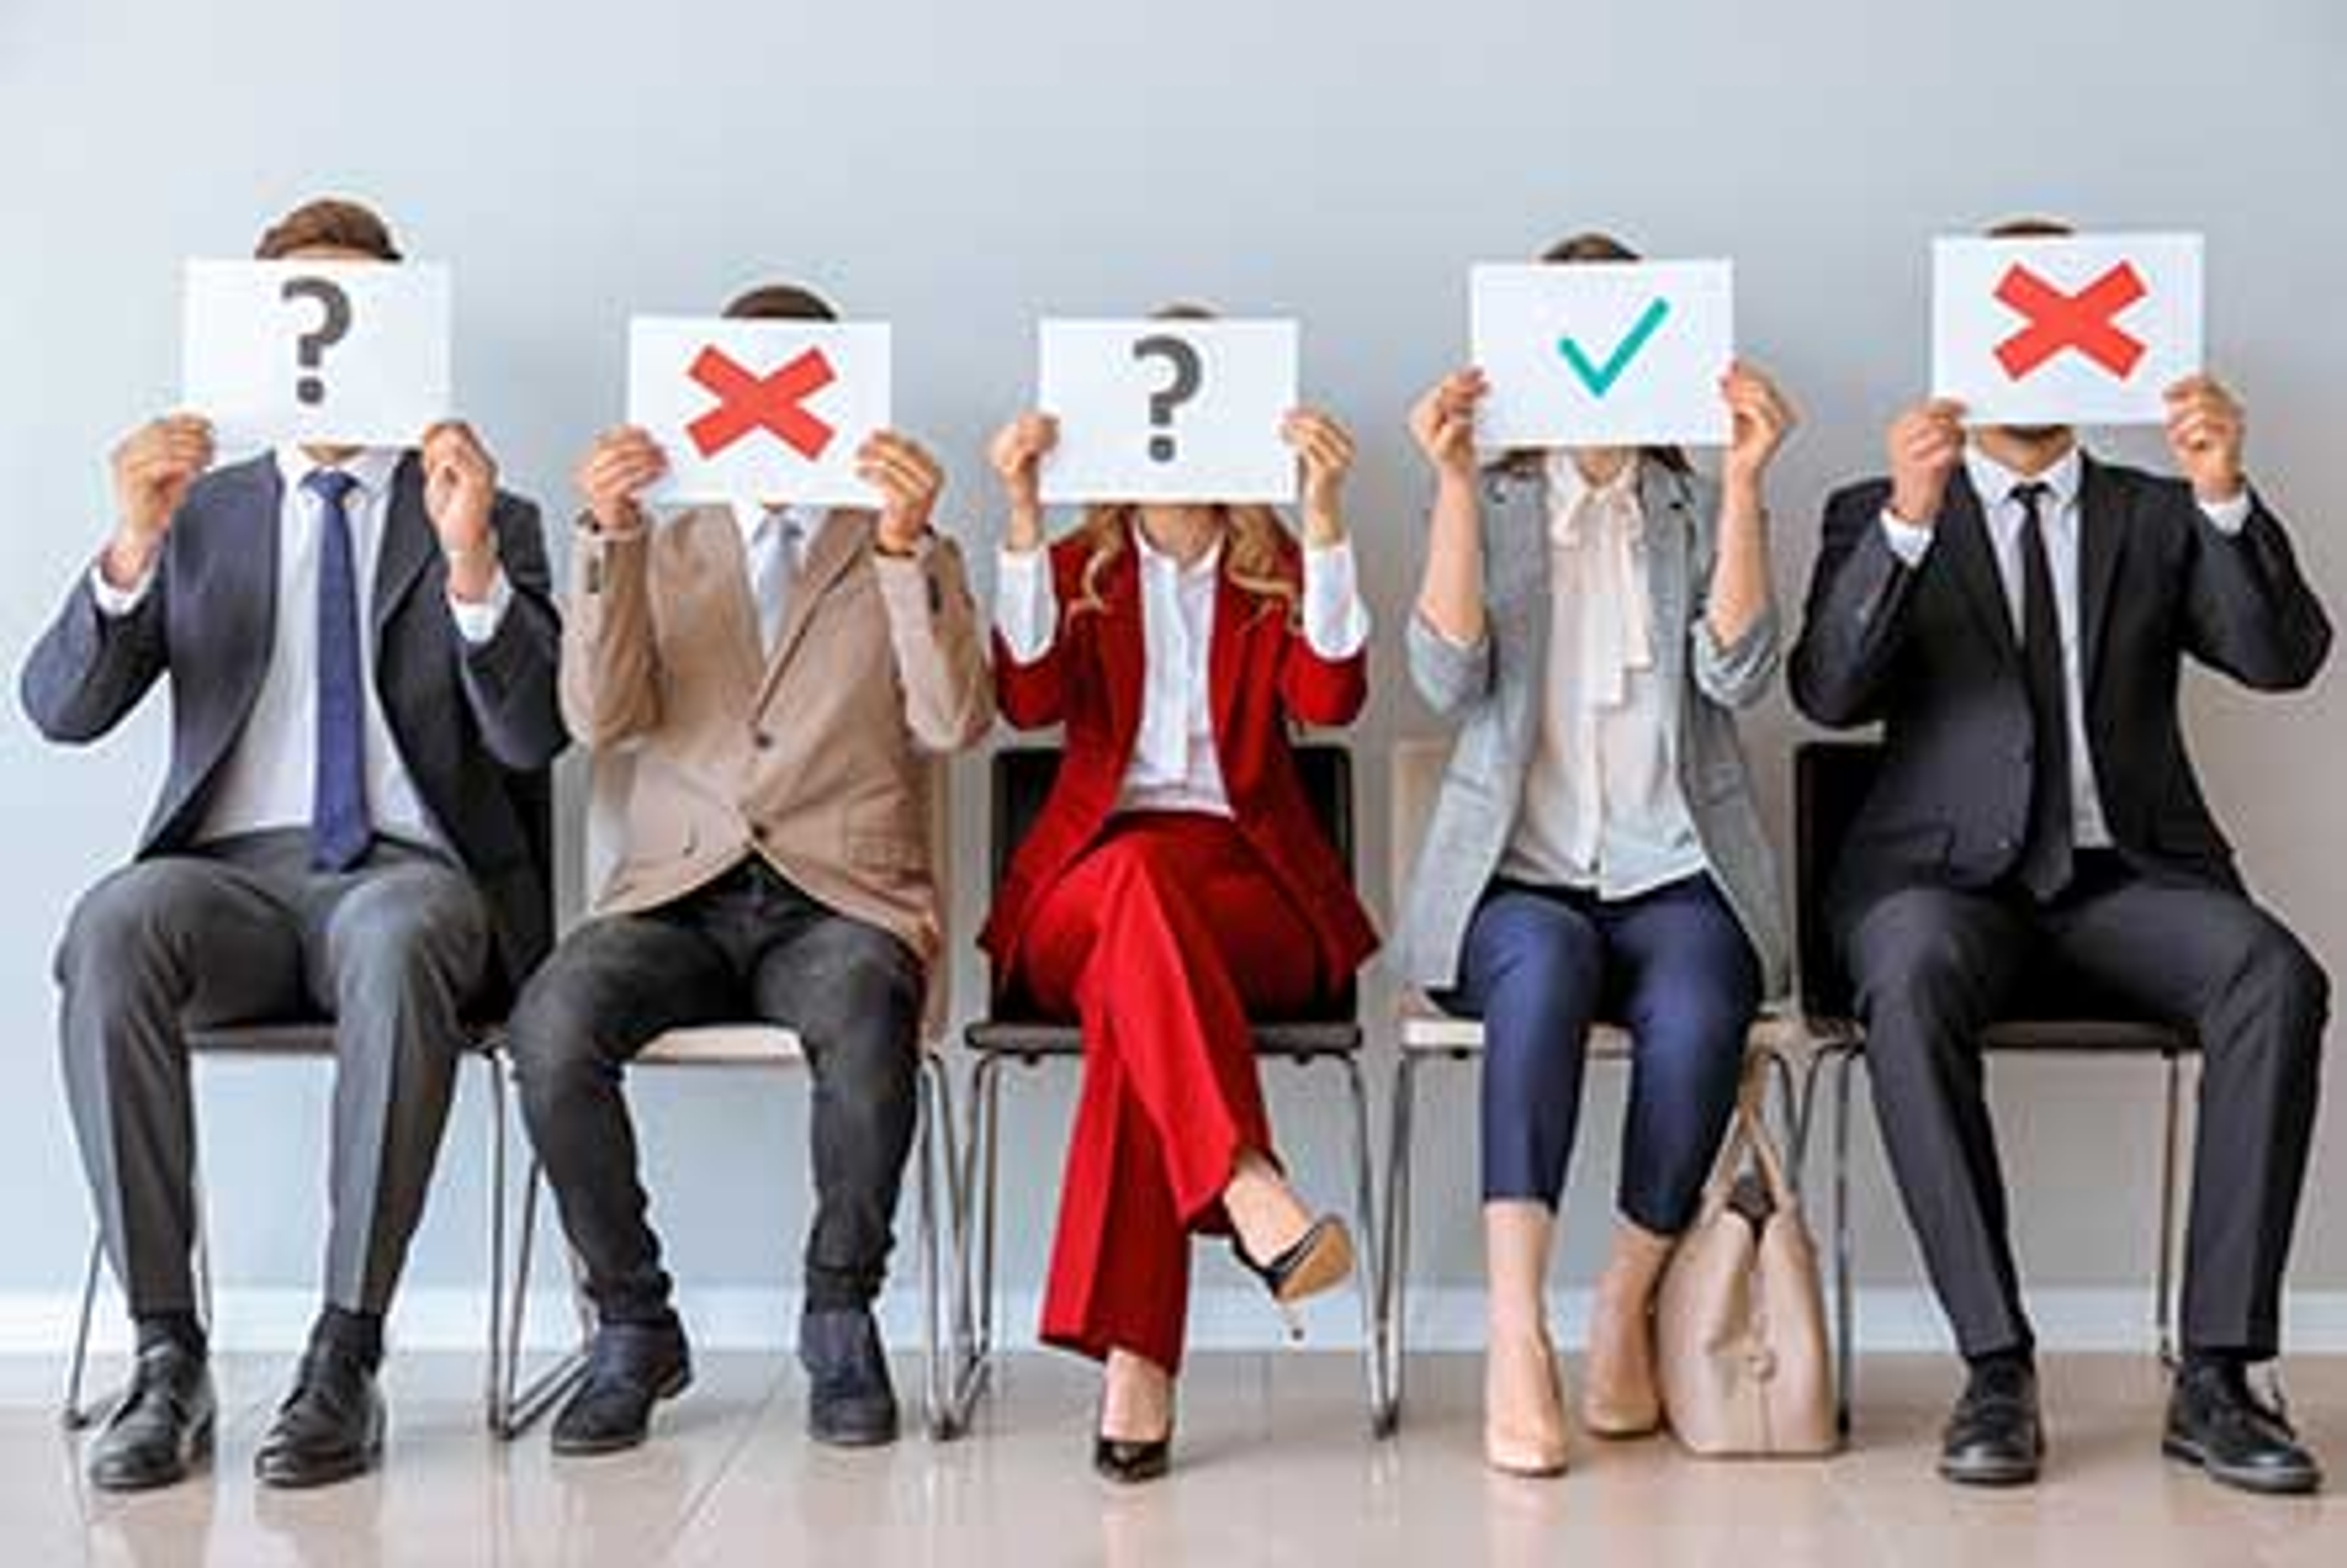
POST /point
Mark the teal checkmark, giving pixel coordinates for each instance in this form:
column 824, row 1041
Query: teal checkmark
column 1600, row 378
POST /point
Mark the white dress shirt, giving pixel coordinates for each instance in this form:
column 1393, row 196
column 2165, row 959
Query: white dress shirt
column 1994, row 484
column 1174, row 767
column 1602, row 807
column 266, row 783
column 775, row 543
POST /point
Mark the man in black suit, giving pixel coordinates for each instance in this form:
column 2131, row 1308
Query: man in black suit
column 2016, row 615
column 361, row 650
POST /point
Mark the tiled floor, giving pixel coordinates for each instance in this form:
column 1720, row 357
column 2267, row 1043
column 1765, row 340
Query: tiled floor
column 1275, row 1466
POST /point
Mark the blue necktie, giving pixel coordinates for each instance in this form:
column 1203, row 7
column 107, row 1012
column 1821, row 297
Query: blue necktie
column 339, row 833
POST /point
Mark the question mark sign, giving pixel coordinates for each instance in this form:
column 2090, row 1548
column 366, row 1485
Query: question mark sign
column 1188, row 372
column 334, row 325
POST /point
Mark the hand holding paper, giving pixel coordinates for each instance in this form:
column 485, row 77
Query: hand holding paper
column 153, row 466
column 2205, row 432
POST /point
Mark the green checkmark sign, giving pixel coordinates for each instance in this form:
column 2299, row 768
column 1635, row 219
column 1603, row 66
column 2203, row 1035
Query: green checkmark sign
column 1600, row 378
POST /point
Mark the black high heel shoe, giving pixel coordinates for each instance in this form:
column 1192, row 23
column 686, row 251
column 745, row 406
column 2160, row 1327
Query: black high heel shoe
column 1129, row 1462
column 1320, row 1259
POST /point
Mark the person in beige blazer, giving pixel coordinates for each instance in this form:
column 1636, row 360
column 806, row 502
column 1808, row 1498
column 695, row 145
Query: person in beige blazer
column 780, row 679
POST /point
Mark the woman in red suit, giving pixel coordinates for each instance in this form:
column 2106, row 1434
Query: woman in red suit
column 1176, row 881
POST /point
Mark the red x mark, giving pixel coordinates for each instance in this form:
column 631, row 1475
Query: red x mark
column 2081, row 321
column 747, row 402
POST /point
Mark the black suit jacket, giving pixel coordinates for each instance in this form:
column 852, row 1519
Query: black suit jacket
column 1931, row 654
column 476, row 727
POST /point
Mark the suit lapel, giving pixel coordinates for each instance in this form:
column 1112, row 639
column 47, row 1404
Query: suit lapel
column 1225, row 654
column 1964, row 528
column 250, row 578
column 1669, row 529
column 1124, row 653
column 408, row 546
column 717, row 579
column 2102, row 540
column 844, row 541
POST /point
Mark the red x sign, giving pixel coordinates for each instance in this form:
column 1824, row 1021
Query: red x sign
column 747, row 401
column 2059, row 321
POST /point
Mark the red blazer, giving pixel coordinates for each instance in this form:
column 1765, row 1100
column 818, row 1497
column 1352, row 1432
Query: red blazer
column 1264, row 675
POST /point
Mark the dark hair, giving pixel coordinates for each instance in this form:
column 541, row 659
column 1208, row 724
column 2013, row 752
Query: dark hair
column 1595, row 247
column 781, row 303
column 329, row 221
column 2030, row 228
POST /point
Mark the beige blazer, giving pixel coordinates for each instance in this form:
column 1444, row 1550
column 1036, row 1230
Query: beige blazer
column 818, row 759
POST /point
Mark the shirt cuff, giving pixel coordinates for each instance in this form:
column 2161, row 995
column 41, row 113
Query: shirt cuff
column 478, row 623
column 2230, row 517
column 1026, row 611
column 1907, row 541
column 1335, row 622
column 113, row 602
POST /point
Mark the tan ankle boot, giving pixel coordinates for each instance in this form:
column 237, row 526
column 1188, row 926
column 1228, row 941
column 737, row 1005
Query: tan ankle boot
column 1618, row 1397
column 1523, row 1408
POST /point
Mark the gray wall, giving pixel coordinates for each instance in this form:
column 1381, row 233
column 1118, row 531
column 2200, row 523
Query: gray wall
column 960, row 170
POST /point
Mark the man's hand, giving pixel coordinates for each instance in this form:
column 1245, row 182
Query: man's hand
column 614, row 473
column 460, row 492
column 2205, row 432
column 1925, row 444
column 153, row 466
column 910, row 482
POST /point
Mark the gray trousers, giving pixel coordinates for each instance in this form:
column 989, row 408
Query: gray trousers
column 243, row 932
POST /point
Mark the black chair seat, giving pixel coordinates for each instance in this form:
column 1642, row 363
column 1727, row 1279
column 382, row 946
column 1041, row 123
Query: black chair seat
column 305, row 1036
column 2086, row 1037
column 1300, row 1038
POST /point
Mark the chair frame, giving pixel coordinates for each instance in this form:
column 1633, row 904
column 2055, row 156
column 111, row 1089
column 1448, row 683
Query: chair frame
column 306, row 1041
column 1839, row 1047
column 999, row 1042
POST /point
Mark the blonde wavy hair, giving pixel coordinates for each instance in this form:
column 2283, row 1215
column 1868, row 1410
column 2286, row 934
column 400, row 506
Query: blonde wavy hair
column 1254, row 538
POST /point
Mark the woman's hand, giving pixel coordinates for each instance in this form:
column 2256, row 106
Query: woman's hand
column 1759, row 418
column 1442, row 423
column 1327, row 454
column 1017, row 457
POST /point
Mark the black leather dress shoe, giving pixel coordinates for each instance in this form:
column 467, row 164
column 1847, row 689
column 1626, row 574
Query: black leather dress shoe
column 850, row 1401
column 2215, row 1421
column 163, row 1426
column 1993, row 1437
column 330, row 1428
column 630, row 1368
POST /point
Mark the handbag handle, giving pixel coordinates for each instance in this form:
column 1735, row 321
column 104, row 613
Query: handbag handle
column 1748, row 1138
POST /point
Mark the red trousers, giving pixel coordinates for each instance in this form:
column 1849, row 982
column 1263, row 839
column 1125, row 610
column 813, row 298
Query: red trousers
column 1159, row 940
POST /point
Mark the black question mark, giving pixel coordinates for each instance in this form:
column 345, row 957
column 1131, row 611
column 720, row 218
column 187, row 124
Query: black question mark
column 1188, row 373
column 334, row 325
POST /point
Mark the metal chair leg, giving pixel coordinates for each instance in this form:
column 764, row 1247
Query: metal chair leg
column 943, row 1321
column 1393, row 1303
column 1845, row 1251
column 520, row 1407
column 977, row 1238
column 2172, row 1163
column 74, row 1416
column 493, row 1397
column 1371, row 1287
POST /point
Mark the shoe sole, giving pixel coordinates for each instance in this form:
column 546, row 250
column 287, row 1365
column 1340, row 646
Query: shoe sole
column 1327, row 1266
column 1991, row 1473
column 591, row 1446
column 2265, row 1483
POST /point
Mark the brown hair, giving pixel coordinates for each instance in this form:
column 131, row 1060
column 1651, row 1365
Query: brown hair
column 329, row 222
column 1595, row 247
column 1254, row 537
column 2030, row 228
column 781, row 303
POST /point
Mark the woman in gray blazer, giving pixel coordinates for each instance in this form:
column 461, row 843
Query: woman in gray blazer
column 1592, row 620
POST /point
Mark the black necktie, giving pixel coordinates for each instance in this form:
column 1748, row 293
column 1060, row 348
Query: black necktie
column 2046, row 856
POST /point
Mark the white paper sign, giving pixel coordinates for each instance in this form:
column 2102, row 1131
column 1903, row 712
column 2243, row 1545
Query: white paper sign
column 333, row 352
column 1168, row 410
column 758, row 411
column 2090, row 330
column 1613, row 354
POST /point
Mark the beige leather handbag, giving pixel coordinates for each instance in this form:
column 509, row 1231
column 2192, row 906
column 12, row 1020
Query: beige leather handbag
column 1740, row 1326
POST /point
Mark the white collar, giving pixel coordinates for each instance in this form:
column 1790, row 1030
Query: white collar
column 1568, row 487
column 1150, row 555
column 1993, row 483
column 370, row 469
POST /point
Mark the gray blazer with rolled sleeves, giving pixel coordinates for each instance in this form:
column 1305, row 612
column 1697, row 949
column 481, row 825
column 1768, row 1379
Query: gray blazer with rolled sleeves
column 1494, row 689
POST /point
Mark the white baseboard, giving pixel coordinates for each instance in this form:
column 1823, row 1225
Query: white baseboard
column 1891, row 1319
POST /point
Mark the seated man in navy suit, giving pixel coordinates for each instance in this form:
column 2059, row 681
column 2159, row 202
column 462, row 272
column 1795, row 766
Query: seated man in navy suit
column 362, row 653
